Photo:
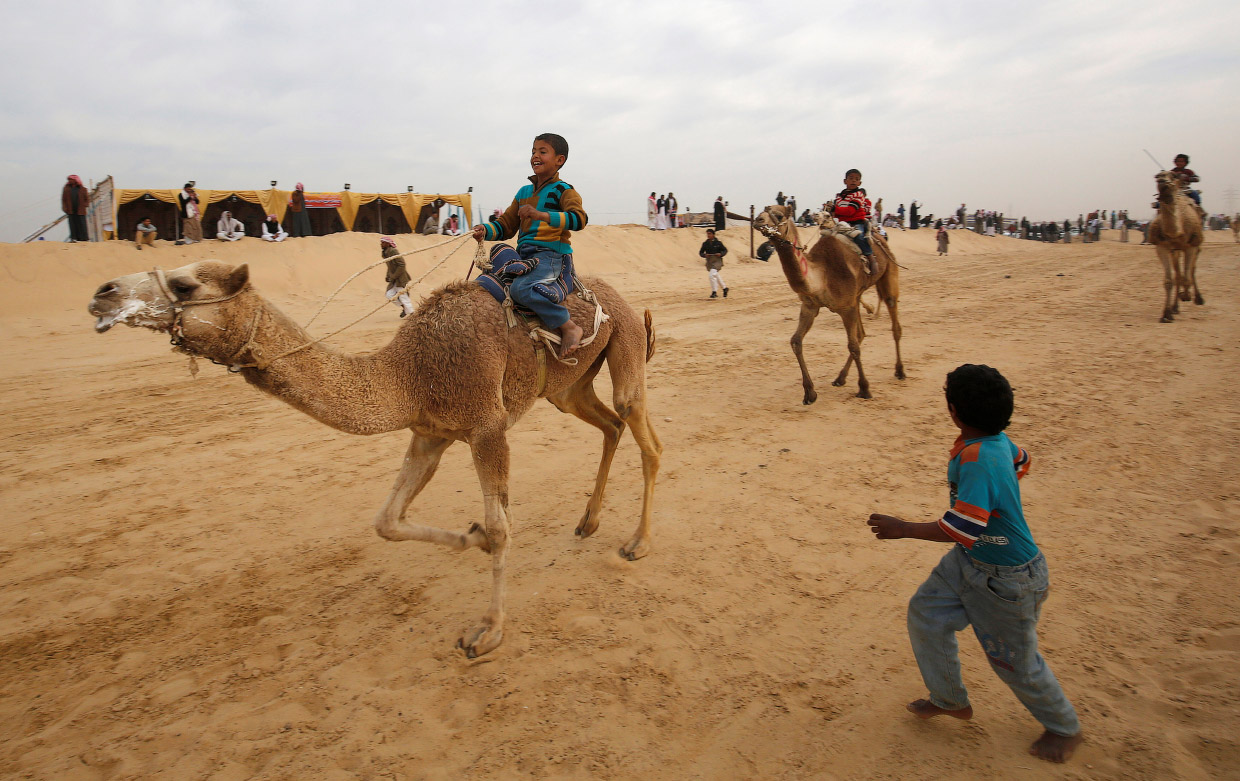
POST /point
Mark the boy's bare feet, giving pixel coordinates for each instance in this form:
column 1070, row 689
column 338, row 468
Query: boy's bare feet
column 570, row 338
column 924, row 709
column 1055, row 748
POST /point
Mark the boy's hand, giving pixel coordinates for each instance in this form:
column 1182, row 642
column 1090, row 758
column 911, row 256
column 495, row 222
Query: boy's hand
column 886, row 527
column 528, row 212
column 479, row 232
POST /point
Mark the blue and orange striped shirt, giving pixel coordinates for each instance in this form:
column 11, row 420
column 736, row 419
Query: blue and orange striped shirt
column 986, row 515
column 564, row 211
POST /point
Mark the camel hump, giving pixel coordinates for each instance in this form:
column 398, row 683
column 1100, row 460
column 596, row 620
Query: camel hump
column 649, row 336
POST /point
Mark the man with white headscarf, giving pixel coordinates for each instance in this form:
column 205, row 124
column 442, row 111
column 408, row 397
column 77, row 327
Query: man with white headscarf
column 229, row 228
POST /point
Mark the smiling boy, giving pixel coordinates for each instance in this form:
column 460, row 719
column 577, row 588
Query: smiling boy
column 542, row 216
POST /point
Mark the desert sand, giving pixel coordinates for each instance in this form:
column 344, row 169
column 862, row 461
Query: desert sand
column 193, row 588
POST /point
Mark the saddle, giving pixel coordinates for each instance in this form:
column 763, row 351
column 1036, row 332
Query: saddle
column 505, row 265
column 499, row 271
column 840, row 231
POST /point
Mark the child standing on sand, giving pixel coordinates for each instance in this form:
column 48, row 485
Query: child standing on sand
column 543, row 215
column 994, row 577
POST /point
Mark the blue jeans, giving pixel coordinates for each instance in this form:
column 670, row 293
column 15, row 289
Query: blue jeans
column 863, row 241
column 1003, row 605
column 550, row 264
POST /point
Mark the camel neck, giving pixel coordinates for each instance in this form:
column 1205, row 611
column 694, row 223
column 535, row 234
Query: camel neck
column 357, row 394
column 791, row 265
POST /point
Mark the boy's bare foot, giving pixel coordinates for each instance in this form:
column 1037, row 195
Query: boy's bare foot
column 1055, row 748
column 570, row 338
column 924, row 709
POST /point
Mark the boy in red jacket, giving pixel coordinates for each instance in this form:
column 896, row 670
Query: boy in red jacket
column 853, row 207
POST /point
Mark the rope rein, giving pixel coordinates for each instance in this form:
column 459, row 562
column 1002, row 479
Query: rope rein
column 258, row 362
column 540, row 336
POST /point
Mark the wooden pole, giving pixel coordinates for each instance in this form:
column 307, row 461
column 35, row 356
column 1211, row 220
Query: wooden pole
column 751, row 232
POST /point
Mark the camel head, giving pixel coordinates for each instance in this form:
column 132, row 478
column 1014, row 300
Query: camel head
column 774, row 222
column 198, row 305
column 1168, row 185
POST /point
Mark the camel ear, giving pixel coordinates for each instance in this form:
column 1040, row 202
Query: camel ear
column 237, row 279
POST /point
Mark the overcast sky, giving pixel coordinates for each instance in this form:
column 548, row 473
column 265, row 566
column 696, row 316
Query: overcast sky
column 1027, row 108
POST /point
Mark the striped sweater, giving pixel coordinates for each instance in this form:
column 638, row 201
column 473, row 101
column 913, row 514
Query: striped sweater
column 564, row 211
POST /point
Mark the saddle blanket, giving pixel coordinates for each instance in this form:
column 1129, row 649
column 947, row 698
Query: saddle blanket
column 507, row 265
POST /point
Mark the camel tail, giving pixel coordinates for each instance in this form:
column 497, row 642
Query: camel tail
column 649, row 336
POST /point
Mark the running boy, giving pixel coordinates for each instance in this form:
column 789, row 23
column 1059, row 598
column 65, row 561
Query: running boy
column 994, row 577
column 543, row 214
column 397, row 276
column 853, row 207
column 713, row 251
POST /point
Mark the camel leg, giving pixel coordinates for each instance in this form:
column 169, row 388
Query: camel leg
column 581, row 400
column 638, row 418
column 490, row 450
column 1191, row 255
column 856, row 332
column 889, row 293
column 419, row 467
column 628, row 377
column 1164, row 255
column 806, row 321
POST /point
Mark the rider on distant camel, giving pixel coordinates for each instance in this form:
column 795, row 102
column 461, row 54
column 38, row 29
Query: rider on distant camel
column 853, row 207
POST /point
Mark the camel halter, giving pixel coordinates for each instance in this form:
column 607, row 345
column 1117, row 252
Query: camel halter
column 177, row 331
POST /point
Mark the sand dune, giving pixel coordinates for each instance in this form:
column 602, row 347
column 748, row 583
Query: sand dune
column 193, row 588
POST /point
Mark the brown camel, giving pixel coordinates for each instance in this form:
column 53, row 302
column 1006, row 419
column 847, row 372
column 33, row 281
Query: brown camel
column 830, row 274
column 1235, row 226
column 1176, row 235
column 454, row 371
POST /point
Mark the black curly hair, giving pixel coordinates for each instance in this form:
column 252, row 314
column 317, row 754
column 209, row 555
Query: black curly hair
column 556, row 142
column 982, row 397
column 1177, row 157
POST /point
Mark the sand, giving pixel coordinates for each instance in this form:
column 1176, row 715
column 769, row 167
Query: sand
column 193, row 588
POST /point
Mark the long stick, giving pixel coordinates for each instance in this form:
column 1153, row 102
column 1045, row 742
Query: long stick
column 1160, row 165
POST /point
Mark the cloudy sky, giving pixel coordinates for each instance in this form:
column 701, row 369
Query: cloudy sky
column 1027, row 108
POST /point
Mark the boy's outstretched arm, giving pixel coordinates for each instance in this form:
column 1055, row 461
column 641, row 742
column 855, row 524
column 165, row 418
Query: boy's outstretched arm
column 888, row 527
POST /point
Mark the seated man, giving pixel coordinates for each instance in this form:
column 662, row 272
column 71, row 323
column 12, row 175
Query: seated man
column 145, row 233
column 272, row 230
column 229, row 228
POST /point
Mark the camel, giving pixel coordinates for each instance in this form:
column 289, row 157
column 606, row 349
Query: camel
column 830, row 274
column 454, row 371
column 1235, row 226
column 1176, row 235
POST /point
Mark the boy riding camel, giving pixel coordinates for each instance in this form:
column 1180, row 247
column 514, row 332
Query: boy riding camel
column 542, row 216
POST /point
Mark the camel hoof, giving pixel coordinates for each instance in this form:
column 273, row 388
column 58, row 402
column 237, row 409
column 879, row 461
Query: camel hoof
column 480, row 640
column 838, row 381
column 635, row 549
column 864, row 394
column 1199, row 300
column 1185, row 296
column 587, row 526
column 900, row 372
column 1166, row 319
column 810, row 398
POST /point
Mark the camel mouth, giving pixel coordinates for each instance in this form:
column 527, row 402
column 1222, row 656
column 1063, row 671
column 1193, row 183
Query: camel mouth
column 106, row 320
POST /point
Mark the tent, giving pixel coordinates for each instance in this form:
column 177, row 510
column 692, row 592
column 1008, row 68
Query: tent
column 329, row 211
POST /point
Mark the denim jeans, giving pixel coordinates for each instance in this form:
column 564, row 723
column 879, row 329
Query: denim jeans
column 863, row 240
column 1003, row 605
column 550, row 264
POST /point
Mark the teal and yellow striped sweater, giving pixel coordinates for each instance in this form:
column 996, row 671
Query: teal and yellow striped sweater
column 564, row 211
